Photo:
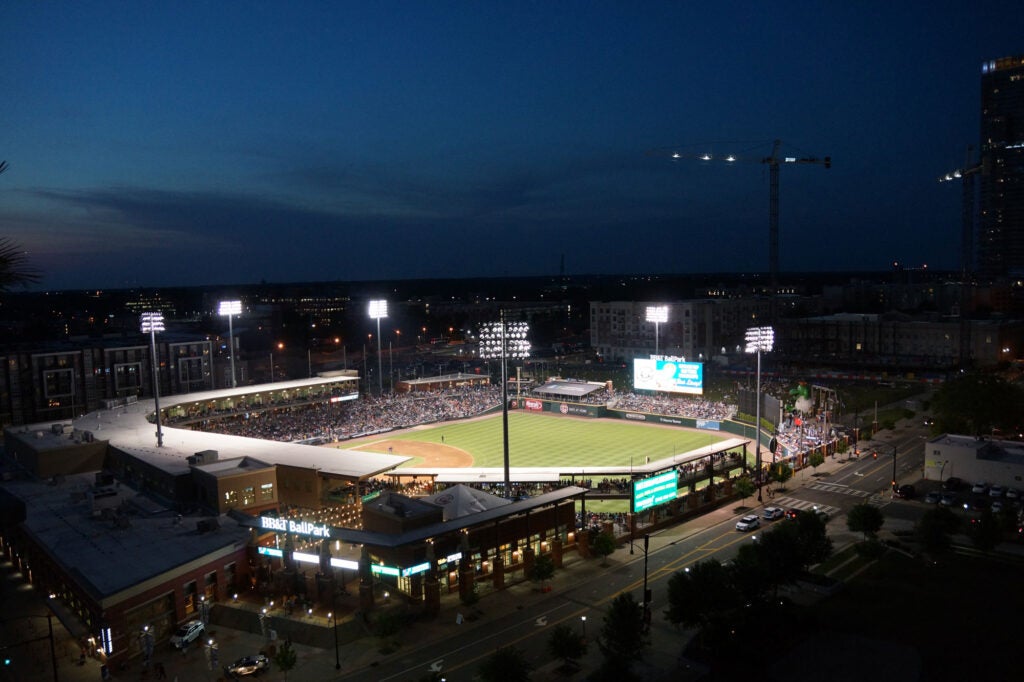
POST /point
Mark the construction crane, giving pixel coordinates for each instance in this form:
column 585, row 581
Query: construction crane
column 966, row 176
column 774, row 161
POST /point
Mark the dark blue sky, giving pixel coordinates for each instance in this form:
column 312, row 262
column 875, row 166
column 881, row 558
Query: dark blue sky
column 182, row 143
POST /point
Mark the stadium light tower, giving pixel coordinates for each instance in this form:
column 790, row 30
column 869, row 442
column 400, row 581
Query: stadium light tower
column 759, row 340
column 504, row 340
column 657, row 314
column 379, row 309
column 231, row 308
column 151, row 323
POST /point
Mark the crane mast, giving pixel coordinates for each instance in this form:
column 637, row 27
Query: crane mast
column 774, row 161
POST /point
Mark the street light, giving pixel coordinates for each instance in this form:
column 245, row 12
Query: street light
column 379, row 309
column 646, row 592
column 759, row 339
column 583, row 621
column 504, row 340
column 151, row 323
column 231, row 308
column 657, row 314
column 333, row 618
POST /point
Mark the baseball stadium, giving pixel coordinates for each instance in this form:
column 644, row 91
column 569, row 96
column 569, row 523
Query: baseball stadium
column 310, row 488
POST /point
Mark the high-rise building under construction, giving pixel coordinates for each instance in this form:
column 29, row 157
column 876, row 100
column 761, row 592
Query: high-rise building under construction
column 1001, row 196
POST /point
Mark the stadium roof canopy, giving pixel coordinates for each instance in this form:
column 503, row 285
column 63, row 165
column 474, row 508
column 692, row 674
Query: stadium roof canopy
column 128, row 430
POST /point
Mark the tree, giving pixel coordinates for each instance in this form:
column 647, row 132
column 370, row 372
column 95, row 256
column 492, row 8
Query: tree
column 935, row 529
column 623, row 637
column 543, row 569
column 744, row 487
column 567, row 644
column 780, row 472
column 14, row 268
column 812, row 545
column 697, row 594
column 866, row 519
column 975, row 403
column 817, row 459
column 507, row 664
column 604, row 545
column 286, row 658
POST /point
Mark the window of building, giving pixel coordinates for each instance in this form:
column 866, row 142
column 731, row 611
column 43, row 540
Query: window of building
column 128, row 376
column 267, row 492
column 191, row 598
column 231, row 497
column 248, row 495
column 210, row 586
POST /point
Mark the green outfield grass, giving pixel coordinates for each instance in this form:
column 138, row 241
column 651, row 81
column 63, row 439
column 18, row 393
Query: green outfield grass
column 539, row 440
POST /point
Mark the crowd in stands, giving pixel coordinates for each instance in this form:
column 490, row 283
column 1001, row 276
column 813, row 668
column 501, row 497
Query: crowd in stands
column 681, row 406
column 327, row 422
column 333, row 422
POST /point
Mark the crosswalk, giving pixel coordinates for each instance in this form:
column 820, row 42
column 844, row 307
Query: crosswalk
column 841, row 489
column 804, row 505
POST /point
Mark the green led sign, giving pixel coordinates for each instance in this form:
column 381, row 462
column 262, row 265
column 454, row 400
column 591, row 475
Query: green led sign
column 650, row 492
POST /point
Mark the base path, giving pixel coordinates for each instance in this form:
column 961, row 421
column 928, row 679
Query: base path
column 432, row 454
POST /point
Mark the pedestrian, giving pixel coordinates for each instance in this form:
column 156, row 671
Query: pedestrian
column 442, row 438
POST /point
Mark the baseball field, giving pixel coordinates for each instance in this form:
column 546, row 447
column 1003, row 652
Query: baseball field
column 537, row 440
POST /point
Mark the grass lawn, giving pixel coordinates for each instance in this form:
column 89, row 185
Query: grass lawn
column 539, row 440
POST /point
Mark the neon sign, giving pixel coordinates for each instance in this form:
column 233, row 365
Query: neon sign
column 299, row 528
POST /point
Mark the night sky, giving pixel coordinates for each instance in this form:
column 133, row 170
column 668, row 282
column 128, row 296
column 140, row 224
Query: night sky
column 187, row 143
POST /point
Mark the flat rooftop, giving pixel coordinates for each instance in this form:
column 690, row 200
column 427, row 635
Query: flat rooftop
column 113, row 555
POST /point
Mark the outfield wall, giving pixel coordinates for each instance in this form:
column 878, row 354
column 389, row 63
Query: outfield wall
column 559, row 407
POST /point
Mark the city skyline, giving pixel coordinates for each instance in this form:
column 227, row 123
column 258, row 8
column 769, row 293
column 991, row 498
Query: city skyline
column 193, row 144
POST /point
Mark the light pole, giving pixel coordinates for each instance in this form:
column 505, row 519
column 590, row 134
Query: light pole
column 231, row 308
column 151, row 323
column 583, row 622
column 503, row 340
column 334, row 620
column 657, row 314
column 759, row 339
column 379, row 309
column 647, row 592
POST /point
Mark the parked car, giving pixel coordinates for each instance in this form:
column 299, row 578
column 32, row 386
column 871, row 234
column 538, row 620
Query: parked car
column 932, row 497
column 979, row 488
column 187, row 633
column 952, row 484
column 248, row 665
column 748, row 522
column 948, row 500
column 905, row 491
column 772, row 513
column 977, row 504
column 1012, row 494
column 995, row 491
column 997, row 506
